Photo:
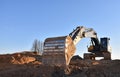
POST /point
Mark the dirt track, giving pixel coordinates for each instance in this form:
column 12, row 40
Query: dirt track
column 29, row 65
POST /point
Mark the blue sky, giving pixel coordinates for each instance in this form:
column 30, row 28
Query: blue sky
column 22, row 21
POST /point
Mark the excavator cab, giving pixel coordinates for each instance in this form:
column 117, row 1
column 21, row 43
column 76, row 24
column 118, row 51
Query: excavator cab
column 104, row 42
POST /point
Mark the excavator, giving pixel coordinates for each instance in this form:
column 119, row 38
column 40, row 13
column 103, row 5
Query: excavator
column 60, row 50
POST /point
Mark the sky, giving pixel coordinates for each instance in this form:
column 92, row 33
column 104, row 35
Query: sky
column 23, row 21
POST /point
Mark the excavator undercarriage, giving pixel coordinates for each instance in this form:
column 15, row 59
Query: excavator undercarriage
column 106, row 55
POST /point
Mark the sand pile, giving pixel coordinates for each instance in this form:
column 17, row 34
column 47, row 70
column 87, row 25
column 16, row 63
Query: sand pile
column 17, row 58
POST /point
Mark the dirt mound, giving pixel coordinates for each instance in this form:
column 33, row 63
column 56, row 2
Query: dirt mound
column 89, row 68
column 30, row 65
column 17, row 58
column 76, row 57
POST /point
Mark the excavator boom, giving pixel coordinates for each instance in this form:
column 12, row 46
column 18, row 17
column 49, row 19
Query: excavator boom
column 82, row 32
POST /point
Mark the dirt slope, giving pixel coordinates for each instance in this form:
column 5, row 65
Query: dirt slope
column 30, row 65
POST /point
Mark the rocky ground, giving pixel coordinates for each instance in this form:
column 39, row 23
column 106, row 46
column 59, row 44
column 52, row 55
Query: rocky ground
column 29, row 65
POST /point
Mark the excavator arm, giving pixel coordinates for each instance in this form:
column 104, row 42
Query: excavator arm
column 60, row 50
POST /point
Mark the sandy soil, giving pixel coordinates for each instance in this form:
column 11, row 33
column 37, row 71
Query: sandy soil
column 29, row 65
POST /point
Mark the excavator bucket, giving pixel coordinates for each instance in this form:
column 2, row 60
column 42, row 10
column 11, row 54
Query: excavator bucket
column 58, row 51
